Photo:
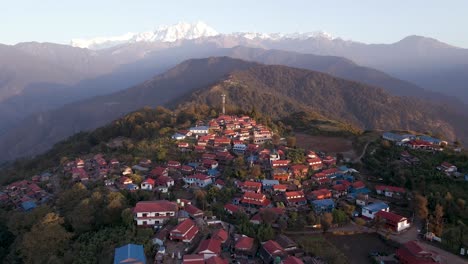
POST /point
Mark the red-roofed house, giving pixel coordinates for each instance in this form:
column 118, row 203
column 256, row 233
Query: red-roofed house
column 339, row 190
column 299, row 170
column 447, row 168
column 320, row 178
column 147, row 184
column 193, row 259
column 201, row 180
column 315, row 163
column 256, row 219
column 221, row 141
column 151, row 213
column 219, row 183
column 125, row 180
column 393, row 221
column 280, row 187
column 251, row 186
column 185, row 231
column 311, row 154
column 254, row 200
column 159, row 171
column 216, row 260
column 412, row 253
column 193, row 211
column 292, row 260
column 200, row 149
column 320, row 194
column 185, row 169
column 209, row 248
column 164, row 181
column 419, row 144
column 280, row 163
column 210, row 163
column 206, row 156
column 330, row 172
column 245, row 246
column 221, row 234
column 295, row 198
column 281, row 175
column 358, row 185
column 390, row 191
column 271, row 250
column 173, row 164
column 183, row 145
column 231, row 208
column 329, row 161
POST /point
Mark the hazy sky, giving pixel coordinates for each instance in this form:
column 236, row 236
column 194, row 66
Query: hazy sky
column 371, row 21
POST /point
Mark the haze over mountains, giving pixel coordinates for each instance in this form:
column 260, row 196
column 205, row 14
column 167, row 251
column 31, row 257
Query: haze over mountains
column 275, row 90
column 41, row 82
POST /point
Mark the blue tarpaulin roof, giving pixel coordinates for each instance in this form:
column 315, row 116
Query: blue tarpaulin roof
column 28, row 205
column 363, row 190
column 323, row 202
column 130, row 253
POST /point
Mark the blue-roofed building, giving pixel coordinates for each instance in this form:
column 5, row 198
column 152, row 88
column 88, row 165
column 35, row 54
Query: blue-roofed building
column 28, row 205
column 131, row 187
column 346, row 170
column 359, row 191
column 193, row 164
column 252, row 158
column 323, row 206
column 396, row 137
column 370, row 210
column 130, row 254
column 213, row 172
column 268, row 184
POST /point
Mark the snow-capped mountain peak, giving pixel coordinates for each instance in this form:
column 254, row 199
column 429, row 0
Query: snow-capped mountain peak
column 163, row 33
column 186, row 31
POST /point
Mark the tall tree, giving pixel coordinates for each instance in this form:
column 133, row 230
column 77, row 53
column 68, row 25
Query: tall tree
column 256, row 171
column 437, row 220
column 421, row 207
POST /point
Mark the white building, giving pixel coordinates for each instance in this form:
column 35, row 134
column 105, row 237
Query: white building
column 147, row 184
column 239, row 148
column 152, row 213
column 201, row 180
column 370, row 210
column 199, row 130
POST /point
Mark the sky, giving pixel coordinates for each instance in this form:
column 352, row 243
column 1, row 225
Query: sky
column 369, row 21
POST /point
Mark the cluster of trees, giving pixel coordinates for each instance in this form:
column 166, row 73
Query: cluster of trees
column 423, row 178
column 82, row 225
column 440, row 200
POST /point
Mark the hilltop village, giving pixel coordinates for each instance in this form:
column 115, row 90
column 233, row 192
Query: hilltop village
column 240, row 193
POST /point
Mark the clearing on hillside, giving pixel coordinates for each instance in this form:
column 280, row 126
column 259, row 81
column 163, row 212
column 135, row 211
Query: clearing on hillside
column 327, row 144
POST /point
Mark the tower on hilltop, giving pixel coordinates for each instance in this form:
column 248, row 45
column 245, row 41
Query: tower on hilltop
column 223, row 96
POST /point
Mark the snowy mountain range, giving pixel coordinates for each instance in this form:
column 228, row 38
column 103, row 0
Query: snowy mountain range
column 185, row 31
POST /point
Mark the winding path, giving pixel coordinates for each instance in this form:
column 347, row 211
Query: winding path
column 358, row 159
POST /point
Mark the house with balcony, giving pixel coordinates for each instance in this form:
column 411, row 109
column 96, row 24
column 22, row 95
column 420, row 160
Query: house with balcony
column 295, row 198
column 154, row 213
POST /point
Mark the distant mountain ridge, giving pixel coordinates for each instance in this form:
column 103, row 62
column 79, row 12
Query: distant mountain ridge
column 275, row 90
